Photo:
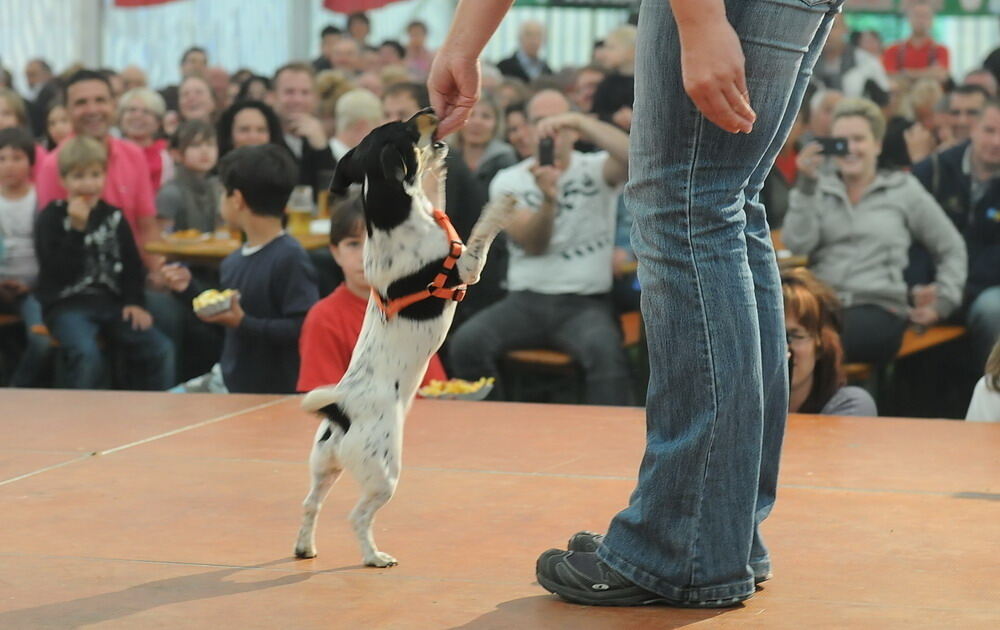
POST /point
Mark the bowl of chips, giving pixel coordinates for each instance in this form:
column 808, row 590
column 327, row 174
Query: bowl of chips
column 458, row 389
column 188, row 236
column 213, row 302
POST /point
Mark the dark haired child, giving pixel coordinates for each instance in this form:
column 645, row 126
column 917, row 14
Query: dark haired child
column 18, row 264
column 273, row 278
column 190, row 201
column 333, row 325
column 91, row 278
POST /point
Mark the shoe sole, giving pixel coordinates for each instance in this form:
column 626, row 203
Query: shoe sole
column 582, row 597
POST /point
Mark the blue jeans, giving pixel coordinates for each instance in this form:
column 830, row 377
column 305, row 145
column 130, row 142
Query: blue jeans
column 984, row 325
column 36, row 347
column 712, row 305
column 148, row 355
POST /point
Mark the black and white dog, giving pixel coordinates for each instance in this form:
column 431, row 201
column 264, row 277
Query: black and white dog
column 418, row 271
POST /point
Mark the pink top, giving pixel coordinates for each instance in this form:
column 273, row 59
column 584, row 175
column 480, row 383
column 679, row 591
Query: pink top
column 40, row 154
column 127, row 186
column 161, row 167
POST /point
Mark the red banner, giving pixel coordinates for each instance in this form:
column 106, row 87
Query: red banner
column 139, row 3
column 353, row 6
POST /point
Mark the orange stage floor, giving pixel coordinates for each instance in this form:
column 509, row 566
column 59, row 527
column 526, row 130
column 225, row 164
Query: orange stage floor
column 129, row 510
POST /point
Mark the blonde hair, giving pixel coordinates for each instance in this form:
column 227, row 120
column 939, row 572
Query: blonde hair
column 356, row 105
column 16, row 103
column 391, row 75
column 330, row 86
column 80, row 152
column 624, row 35
column 862, row 108
column 150, row 99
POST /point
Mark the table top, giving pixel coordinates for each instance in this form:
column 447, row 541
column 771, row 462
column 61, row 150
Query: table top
column 215, row 249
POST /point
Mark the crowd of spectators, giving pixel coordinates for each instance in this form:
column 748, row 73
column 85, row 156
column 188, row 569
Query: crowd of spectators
column 889, row 183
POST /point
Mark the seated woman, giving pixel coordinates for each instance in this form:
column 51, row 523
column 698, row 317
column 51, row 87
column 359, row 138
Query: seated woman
column 140, row 117
column 856, row 227
column 248, row 123
column 816, row 357
column 481, row 145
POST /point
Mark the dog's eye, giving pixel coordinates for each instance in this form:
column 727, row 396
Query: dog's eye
column 438, row 145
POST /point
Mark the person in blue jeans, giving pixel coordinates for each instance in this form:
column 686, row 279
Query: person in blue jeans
column 718, row 84
column 90, row 279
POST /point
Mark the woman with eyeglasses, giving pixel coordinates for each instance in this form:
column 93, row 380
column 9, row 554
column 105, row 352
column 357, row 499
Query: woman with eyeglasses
column 140, row 116
column 816, row 356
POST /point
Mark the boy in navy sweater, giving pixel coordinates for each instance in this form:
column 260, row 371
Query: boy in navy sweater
column 273, row 278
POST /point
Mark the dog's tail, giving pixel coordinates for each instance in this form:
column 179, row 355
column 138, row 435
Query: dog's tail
column 324, row 401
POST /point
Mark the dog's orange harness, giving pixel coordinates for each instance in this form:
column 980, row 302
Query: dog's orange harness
column 436, row 288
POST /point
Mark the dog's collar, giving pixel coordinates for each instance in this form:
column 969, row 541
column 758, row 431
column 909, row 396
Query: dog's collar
column 436, row 288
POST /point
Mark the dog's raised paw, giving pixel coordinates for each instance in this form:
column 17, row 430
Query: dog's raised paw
column 381, row 559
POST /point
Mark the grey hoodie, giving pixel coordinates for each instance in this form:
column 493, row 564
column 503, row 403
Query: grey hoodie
column 861, row 251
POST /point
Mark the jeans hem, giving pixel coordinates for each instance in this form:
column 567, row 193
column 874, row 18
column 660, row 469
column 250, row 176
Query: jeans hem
column 733, row 592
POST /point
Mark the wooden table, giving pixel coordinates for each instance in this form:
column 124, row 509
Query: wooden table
column 213, row 250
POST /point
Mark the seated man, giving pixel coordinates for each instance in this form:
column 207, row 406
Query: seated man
column 965, row 180
column 561, row 244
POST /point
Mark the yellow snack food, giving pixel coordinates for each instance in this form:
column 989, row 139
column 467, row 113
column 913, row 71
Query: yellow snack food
column 212, row 302
column 455, row 387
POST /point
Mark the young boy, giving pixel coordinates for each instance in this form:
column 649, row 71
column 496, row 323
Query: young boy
column 332, row 327
column 275, row 281
column 18, row 265
column 91, row 278
column 190, row 201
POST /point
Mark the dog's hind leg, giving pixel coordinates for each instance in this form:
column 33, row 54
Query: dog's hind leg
column 378, row 473
column 325, row 469
column 494, row 218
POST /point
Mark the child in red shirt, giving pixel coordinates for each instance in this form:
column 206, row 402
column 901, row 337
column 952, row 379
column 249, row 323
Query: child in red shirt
column 333, row 324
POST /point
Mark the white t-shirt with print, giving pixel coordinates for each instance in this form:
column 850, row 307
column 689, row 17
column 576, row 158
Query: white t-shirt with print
column 17, row 227
column 578, row 259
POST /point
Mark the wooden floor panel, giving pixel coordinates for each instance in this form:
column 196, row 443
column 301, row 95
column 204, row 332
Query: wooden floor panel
column 186, row 518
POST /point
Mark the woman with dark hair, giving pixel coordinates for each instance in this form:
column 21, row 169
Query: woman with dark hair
column 248, row 123
column 254, row 88
column 816, row 356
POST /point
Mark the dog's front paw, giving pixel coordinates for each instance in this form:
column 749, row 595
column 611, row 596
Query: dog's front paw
column 380, row 559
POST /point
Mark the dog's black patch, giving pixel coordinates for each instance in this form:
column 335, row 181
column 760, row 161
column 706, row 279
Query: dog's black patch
column 418, row 281
column 397, row 388
column 326, row 435
column 336, row 415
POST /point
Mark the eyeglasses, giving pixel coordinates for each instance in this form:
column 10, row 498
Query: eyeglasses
column 138, row 110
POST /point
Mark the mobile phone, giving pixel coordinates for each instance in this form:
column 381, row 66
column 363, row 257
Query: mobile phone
column 546, row 152
column 833, row 146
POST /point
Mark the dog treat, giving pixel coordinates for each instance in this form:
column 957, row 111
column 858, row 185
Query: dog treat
column 212, row 302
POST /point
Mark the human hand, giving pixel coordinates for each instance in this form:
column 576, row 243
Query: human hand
column 138, row 316
column 714, row 73
column 231, row 318
column 809, row 160
column 924, row 295
column 550, row 126
column 547, row 180
column 78, row 210
column 14, row 287
column 622, row 262
column 176, row 276
column 310, row 128
column 924, row 316
column 453, row 87
column 623, row 118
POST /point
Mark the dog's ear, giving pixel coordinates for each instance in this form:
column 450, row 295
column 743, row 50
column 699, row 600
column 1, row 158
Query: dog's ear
column 343, row 176
column 393, row 164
